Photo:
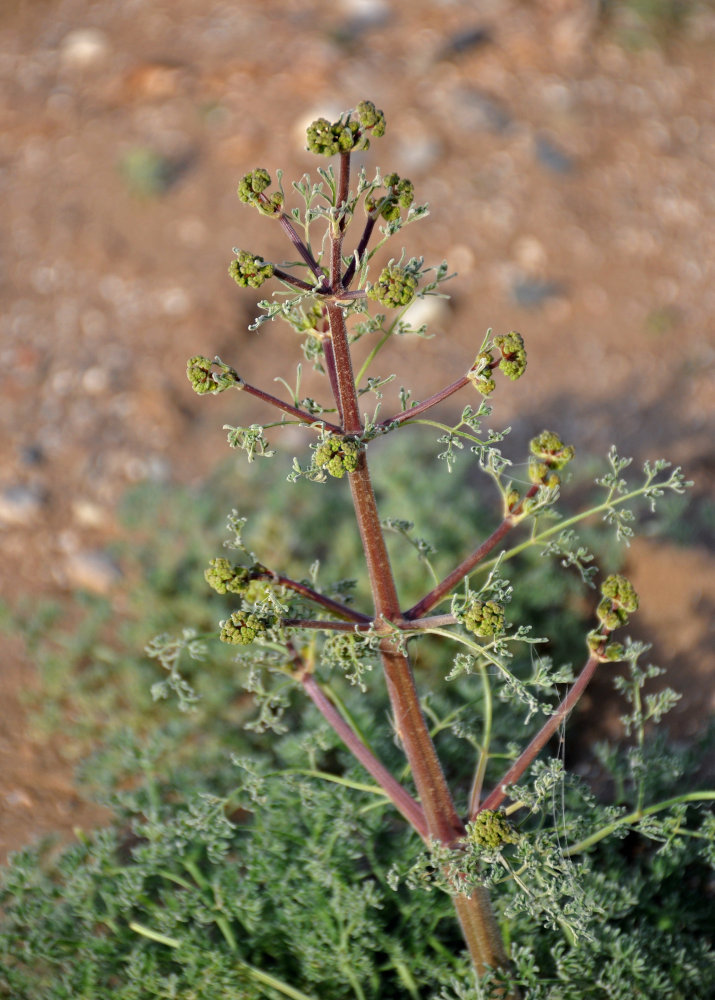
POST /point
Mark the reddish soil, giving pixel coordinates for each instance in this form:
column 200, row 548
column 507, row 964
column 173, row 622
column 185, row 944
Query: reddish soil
column 571, row 182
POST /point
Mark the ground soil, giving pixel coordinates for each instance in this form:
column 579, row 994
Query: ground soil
column 569, row 161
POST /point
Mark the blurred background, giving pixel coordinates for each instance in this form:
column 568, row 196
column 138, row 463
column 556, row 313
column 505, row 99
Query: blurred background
column 567, row 151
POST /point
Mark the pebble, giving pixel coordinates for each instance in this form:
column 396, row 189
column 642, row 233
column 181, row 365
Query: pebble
column 432, row 311
column 533, row 292
column 20, row 505
column 84, row 48
column 88, row 514
column 95, row 571
column 469, row 38
column 478, row 111
column 551, row 156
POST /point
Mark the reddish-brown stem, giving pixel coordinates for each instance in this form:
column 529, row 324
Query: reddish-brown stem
column 367, row 624
column 347, row 396
column 329, row 364
column 526, row 758
column 325, row 625
column 361, row 248
column 341, row 610
column 294, row 411
column 400, row 798
column 427, row 404
column 450, row 581
column 292, row 280
column 479, row 926
column 343, row 190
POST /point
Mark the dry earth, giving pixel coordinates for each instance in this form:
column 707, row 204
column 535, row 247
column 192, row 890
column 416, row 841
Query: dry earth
column 570, row 166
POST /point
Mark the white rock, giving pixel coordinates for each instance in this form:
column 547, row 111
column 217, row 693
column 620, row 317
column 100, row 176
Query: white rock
column 19, row 505
column 84, row 48
column 94, row 571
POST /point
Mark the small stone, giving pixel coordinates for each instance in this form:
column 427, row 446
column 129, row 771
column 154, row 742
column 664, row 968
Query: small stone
column 18, row 797
column 20, row 505
column 551, row 156
column 469, row 38
column 95, row 380
column 431, row 311
column 95, row 571
column 84, row 48
column 88, row 514
column 532, row 292
column 478, row 111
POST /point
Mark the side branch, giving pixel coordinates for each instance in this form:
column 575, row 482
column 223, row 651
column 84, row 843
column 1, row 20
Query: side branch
column 361, row 248
column 450, row 581
column 400, row 798
column 419, row 408
column 293, row 411
column 292, row 280
column 525, row 759
column 335, row 607
column 448, row 584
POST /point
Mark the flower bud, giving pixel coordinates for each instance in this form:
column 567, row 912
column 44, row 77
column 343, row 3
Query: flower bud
column 241, row 629
column 484, row 618
column 224, row 577
column 338, row 455
column 395, row 287
column 249, row 270
column 491, row 829
column 513, row 362
column 211, row 376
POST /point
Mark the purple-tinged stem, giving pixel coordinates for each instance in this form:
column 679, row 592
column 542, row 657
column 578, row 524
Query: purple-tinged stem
column 329, row 363
column 450, row 581
column 325, row 625
column 364, row 623
column 292, row 280
column 294, row 411
column 419, row 408
column 400, row 798
column 335, row 607
column 361, row 248
column 526, row 758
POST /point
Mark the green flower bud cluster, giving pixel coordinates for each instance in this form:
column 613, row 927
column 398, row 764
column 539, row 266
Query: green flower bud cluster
column 329, row 138
column 371, row 120
column 249, row 270
column 400, row 194
column 491, row 829
column 549, row 454
column 251, row 188
column 395, row 287
column 241, row 628
column 224, row 577
column 480, row 374
column 484, row 618
column 513, row 362
column 618, row 601
column 338, row 455
column 200, row 372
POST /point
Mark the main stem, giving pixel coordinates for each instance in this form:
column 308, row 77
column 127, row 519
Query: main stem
column 475, row 913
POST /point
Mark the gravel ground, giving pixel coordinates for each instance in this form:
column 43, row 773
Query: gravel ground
column 569, row 163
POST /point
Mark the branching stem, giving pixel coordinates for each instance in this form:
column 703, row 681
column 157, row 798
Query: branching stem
column 527, row 757
column 400, row 798
column 427, row 404
column 293, row 411
column 447, row 585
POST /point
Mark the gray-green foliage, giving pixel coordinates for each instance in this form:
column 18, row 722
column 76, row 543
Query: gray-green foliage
column 264, row 881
